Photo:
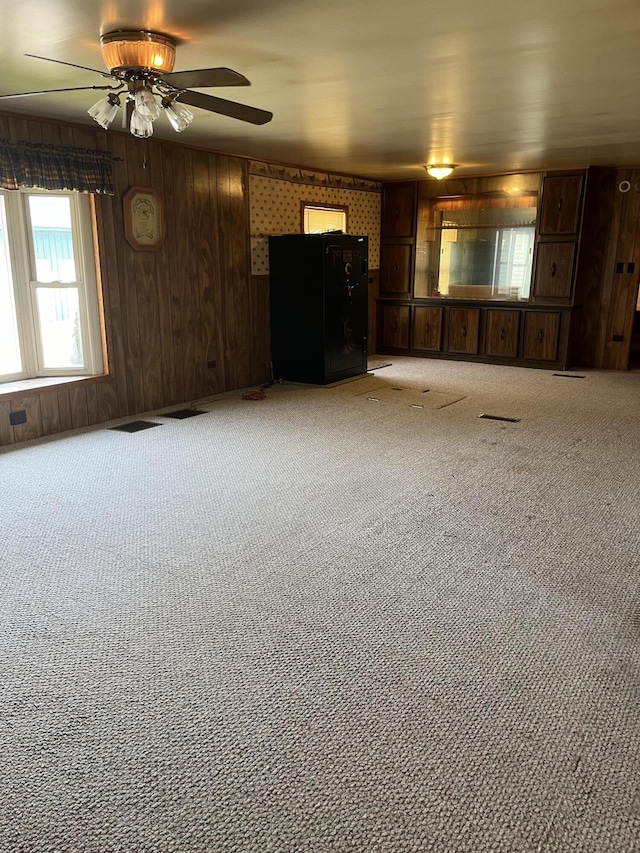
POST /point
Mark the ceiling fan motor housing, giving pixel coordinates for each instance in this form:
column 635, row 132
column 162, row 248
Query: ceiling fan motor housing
column 138, row 50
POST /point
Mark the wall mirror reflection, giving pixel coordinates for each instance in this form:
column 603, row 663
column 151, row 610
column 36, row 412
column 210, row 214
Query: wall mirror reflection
column 468, row 251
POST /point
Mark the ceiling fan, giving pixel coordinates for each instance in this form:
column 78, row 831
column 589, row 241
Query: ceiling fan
column 140, row 66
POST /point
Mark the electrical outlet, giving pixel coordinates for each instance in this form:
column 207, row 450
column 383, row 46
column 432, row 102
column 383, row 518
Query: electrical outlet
column 17, row 418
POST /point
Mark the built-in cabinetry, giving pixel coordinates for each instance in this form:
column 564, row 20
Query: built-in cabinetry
column 393, row 327
column 427, row 328
column 506, row 335
column 502, row 331
column 523, row 315
column 398, row 239
column 558, row 233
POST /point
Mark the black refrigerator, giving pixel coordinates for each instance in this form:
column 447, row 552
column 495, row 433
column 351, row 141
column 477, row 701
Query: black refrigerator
column 318, row 285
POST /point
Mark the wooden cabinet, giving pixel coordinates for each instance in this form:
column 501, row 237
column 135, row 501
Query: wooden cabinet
column 502, row 333
column 556, row 251
column 464, row 328
column 394, row 326
column 481, row 322
column 541, row 335
column 561, row 204
column 427, row 328
column 399, row 209
column 554, row 270
column 395, row 268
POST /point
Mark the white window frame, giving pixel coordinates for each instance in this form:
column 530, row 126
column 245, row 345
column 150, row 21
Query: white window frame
column 26, row 285
column 341, row 209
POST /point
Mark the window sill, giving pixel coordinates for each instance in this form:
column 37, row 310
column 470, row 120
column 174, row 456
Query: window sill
column 26, row 387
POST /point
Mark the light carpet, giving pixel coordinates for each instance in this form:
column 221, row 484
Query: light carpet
column 315, row 623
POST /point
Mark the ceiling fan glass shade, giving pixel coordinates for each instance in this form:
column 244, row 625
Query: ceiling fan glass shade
column 440, row 170
column 146, row 104
column 125, row 50
column 179, row 116
column 104, row 111
column 140, row 126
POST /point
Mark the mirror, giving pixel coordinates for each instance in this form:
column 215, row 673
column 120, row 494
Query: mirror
column 476, row 253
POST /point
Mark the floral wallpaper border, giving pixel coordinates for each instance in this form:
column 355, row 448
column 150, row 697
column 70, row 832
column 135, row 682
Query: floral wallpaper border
column 314, row 179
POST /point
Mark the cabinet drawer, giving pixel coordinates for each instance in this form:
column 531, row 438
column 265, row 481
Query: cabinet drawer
column 394, row 325
column 464, row 325
column 427, row 328
column 395, row 268
column 561, row 199
column 541, row 333
column 502, row 333
column 399, row 210
column 554, row 270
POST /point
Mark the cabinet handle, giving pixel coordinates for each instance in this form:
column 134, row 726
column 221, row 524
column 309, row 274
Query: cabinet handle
column 541, row 335
column 554, row 270
column 395, row 267
column 463, row 331
column 502, row 333
column 559, row 205
column 426, row 328
column 395, row 326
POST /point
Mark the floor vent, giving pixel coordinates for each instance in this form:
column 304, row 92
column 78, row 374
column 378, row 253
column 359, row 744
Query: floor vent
column 500, row 418
column 135, row 426
column 570, row 375
column 181, row 414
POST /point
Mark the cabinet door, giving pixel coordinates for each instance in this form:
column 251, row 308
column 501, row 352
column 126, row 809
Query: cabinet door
column 399, row 209
column 427, row 328
column 554, row 270
column 561, row 198
column 395, row 268
column 541, row 332
column 394, row 322
column 502, row 333
column 464, row 325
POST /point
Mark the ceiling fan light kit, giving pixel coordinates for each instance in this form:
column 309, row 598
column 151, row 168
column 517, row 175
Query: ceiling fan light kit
column 179, row 116
column 139, row 59
column 105, row 110
column 140, row 66
column 122, row 50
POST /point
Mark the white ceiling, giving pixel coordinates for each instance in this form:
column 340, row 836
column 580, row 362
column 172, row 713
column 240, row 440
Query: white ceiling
column 368, row 87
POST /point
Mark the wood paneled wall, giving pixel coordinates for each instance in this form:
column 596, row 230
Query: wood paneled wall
column 621, row 271
column 168, row 313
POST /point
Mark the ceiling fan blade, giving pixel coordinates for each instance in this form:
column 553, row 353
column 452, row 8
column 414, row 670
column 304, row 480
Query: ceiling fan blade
column 51, row 91
column 203, row 77
column 224, row 107
column 71, row 65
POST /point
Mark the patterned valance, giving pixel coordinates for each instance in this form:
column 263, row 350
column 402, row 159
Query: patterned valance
column 52, row 167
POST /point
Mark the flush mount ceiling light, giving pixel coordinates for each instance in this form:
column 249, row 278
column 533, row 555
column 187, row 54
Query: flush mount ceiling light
column 440, row 170
column 143, row 85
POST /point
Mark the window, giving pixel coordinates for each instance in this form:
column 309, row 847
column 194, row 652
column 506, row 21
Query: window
column 49, row 316
column 318, row 218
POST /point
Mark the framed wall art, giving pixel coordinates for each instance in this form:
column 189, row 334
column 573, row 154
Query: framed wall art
column 143, row 218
